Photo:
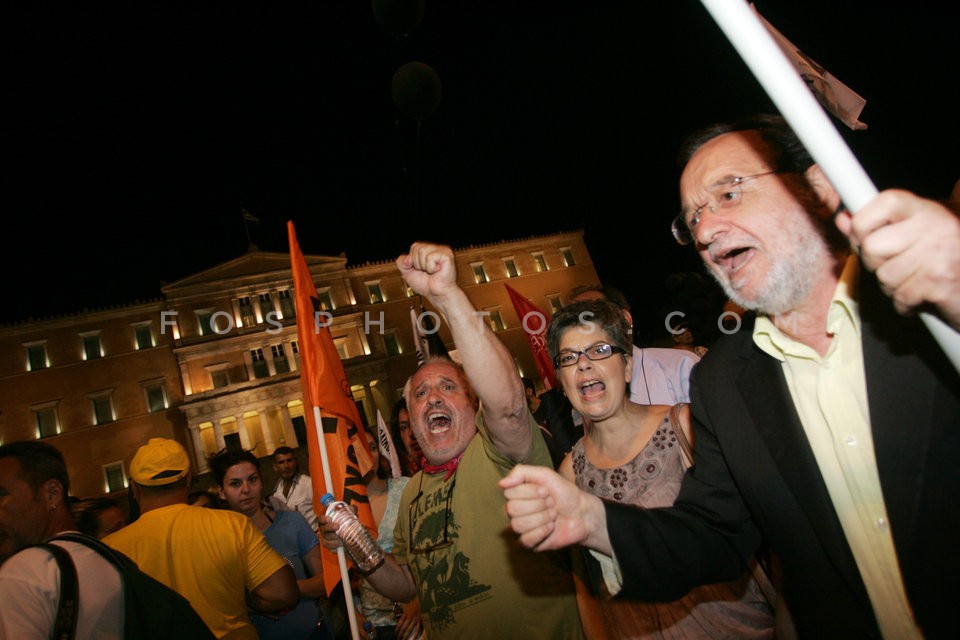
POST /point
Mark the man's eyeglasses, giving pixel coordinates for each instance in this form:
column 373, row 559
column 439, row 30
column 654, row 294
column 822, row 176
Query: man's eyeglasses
column 599, row 351
column 443, row 544
column 726, row 194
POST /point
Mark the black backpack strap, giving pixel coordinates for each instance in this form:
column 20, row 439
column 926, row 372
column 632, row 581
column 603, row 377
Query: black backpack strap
column 65, row 623
column 116, row 558
column 139, row 621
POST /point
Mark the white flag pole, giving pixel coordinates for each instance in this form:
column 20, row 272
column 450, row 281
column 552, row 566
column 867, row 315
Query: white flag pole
column 341, row 554
column 386, row 446
column 418, row 341
column 809, row 121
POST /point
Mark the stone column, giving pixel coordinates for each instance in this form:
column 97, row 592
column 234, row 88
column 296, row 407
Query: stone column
column 267, row 432
column 198, row 451
column 268, row 358
column 290, row 437
column 242, row 430
column 218, row 434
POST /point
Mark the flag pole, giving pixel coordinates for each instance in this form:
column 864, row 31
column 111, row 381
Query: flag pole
column 341, row 554
column 246, row 229
column 386, row 446
column 809, row 121
column 320, row 380
column 247, row 219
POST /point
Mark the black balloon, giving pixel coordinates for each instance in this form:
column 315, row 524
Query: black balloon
column 416, row 90
column 398, row 17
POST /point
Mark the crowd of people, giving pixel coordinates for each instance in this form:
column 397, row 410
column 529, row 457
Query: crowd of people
column 825, row 428
column 796, row 479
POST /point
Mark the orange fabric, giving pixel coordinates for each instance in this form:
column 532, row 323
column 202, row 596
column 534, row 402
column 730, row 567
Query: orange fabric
column 325, row 385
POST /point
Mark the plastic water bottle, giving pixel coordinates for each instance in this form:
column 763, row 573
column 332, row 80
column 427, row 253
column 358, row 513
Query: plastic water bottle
column 356, row 538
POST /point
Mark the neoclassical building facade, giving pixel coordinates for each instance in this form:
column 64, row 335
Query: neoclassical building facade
column 214, row 362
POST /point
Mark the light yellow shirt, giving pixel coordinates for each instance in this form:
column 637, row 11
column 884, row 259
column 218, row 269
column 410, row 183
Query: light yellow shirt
column 830, row 395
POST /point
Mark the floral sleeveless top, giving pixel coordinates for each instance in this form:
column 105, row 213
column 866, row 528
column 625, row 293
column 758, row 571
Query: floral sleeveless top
column 652, row 478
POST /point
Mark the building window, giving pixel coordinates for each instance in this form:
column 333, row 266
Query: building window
column 391, row 344
column 114, row 479
column 341, row 345
column 567, row 255
column 156, row 396
column 220, row 378
column 280, row 362
column 91, row 345
column 479, row 273
column 37, row 356
column 260, row 369
column 48, row 422
column 496, row 322
column 555, row 303
column 375, row 293
column 540, row 262
column 287, row 306
column 266, row 304
column 324, row 299
column 204, row 321
column 510, row 266
column 102, row 407
column 248, row 317
column 143, row 335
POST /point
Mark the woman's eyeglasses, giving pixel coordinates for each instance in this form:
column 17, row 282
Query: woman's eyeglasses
column 595, row 352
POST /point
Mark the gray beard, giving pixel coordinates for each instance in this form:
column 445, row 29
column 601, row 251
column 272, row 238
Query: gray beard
column 792, row 278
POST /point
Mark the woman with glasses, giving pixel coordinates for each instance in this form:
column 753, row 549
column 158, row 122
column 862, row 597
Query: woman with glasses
column 634, row 454
column 238, row 477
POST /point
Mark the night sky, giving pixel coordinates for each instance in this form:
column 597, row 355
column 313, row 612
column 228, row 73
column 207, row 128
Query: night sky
column 133, row 138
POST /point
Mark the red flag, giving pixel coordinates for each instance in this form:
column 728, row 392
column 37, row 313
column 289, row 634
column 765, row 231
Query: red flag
column 324, row 384
column 534, row 323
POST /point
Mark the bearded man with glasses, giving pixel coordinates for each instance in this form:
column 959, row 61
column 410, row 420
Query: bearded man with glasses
column 826, row 427
column 450, row 547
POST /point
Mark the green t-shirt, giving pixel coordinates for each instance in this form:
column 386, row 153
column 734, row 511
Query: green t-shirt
column 473, row 577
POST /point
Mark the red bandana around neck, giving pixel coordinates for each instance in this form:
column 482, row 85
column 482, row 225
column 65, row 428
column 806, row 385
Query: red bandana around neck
column 449, row 466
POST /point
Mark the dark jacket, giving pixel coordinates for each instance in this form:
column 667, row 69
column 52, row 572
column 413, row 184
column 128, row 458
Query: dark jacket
column 755, row 478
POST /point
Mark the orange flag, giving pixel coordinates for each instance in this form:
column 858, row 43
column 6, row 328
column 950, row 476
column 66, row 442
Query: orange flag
column 324, row 384
column 534, row 323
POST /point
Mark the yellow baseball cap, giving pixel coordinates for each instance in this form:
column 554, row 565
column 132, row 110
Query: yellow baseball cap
column 161, row 461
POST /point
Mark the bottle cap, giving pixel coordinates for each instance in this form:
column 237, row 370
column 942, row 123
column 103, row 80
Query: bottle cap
column 326, row 499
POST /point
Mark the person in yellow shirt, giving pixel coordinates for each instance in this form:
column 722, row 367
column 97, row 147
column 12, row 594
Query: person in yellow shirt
column 217, row 559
